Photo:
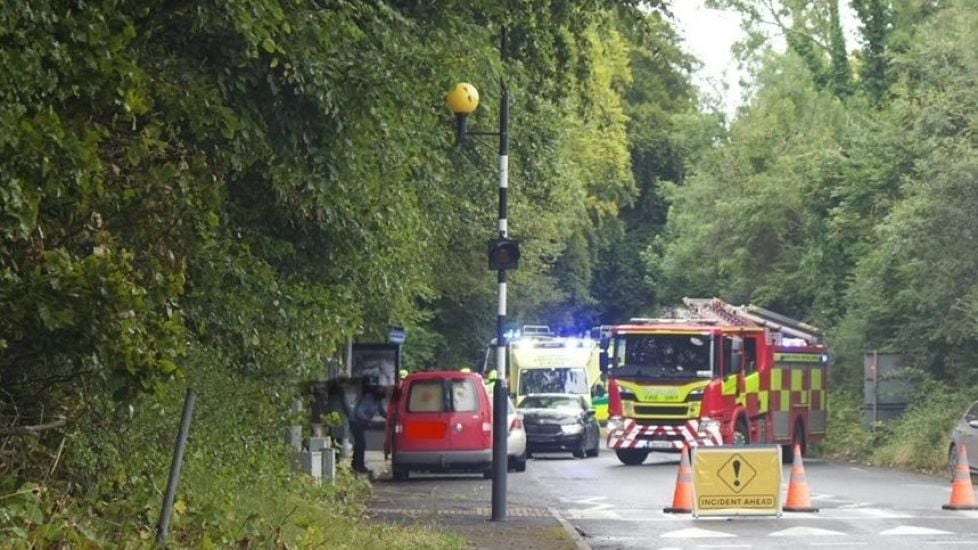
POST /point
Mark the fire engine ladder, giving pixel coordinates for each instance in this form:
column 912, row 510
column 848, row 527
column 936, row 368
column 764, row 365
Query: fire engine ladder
column 787, row 325
column 717, row 310
column 751, row 315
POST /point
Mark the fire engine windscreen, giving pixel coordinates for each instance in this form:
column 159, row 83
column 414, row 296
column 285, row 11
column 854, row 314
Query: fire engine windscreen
column 664, row 356
column 555, row 380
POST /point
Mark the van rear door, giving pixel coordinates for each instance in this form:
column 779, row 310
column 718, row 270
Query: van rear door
column 471, row 423
column 424, row 416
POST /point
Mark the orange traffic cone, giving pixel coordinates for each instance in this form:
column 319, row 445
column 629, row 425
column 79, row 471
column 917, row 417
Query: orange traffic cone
column 798, row 499
column 962, row 493
column 682, row 498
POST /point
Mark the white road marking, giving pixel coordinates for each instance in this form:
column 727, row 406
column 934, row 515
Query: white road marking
column 913, row 530
column 694, row 533
column 883, row 514
column 804, row 532
column 594, row 508
column 590, row 513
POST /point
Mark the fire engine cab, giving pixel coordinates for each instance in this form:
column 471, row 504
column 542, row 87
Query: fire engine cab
column 714, row 375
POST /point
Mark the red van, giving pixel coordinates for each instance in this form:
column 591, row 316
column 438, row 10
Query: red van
column 442, row 421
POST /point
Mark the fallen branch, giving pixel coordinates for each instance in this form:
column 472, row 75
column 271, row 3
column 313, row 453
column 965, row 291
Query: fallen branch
column 32, row 430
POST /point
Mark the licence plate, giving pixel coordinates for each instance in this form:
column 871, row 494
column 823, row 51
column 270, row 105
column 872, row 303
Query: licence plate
column 425, row 430
column 657, row 444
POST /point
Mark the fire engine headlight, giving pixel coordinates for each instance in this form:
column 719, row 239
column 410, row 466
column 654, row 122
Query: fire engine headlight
column 571, row 429
column 626, row 395
column 695, row 395
column 709, row 425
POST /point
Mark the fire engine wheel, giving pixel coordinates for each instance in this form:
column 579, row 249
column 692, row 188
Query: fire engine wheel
column 632, row 457
column 797, row 438
column 741, row 435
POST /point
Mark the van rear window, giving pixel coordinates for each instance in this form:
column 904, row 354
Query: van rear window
column 464, row 398
column 429, row 396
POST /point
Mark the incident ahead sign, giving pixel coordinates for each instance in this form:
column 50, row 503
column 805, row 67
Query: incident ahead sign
column 737, row 481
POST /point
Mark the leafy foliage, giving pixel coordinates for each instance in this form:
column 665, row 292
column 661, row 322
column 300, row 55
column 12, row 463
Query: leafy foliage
column 221, row 194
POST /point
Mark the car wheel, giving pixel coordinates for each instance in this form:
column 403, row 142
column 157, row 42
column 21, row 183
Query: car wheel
column 581, row 450
column 632, row 457
column 952, row 460
column 518, row 463
column 596, row 450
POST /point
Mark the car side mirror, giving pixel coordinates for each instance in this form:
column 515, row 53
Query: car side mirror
column 973, row 423
column 736, row 363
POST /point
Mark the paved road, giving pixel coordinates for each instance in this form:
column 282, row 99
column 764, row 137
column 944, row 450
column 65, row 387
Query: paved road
column 617, row 506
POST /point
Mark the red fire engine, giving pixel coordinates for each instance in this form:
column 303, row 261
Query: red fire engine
column 720, row 375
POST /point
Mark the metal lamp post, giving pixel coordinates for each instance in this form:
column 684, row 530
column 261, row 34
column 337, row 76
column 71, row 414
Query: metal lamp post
column 503, row 254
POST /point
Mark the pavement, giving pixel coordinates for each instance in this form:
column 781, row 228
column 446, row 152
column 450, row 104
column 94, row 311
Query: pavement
column 462, row 505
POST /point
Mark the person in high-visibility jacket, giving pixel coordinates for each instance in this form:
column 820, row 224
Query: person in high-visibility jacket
column 490, row 380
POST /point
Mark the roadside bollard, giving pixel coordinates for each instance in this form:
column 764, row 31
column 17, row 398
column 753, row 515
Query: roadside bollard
column 312, row 464
column 324, row 446
column 329, row 465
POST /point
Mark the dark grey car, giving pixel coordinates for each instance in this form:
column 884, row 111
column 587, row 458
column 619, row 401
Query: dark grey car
column 965, row 435
column 560, row 423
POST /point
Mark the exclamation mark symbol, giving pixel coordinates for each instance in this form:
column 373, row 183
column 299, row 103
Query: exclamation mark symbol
column 736, row 467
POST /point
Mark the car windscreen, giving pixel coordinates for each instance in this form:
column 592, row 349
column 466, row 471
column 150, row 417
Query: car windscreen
column 552, row 402
column 555, row 380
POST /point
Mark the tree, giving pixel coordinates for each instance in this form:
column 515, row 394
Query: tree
column 750, row 223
